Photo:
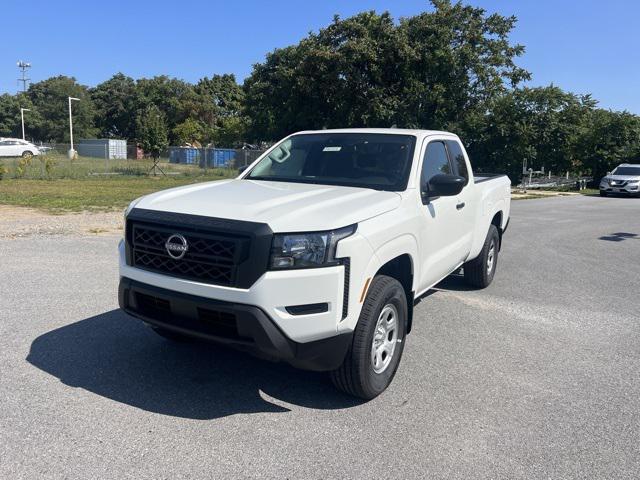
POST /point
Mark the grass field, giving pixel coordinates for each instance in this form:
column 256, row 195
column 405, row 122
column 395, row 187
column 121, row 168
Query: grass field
column 92, row 194
column 91, row 184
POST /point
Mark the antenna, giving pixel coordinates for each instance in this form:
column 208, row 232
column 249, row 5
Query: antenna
column 24, row 66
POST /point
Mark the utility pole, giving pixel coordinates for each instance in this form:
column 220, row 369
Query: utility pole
column 22, row 110
column 72, row 152
column 24, row 66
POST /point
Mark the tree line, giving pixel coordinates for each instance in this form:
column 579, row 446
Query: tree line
column 450, row 68
column 209, row 111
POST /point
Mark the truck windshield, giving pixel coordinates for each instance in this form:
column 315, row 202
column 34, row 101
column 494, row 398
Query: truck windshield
column 627, row 171
column 368, row 160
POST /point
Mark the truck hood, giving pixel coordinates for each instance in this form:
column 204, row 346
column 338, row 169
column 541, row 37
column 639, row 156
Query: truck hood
column 285, row 207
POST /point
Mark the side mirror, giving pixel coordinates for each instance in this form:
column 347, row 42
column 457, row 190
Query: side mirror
column 242, row 169
column 608, row 173
column 443, row 185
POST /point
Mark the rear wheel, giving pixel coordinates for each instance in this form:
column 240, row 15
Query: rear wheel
column 378, row 341
column 479, row 272
column 27, row 154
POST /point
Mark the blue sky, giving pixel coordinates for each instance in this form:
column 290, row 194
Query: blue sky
column 580, row 45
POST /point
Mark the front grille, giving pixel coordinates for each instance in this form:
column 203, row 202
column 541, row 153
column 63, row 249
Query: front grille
column 230, row 253
column 210, row 258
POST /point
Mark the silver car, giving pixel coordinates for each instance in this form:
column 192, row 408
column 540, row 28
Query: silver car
column 625, row 179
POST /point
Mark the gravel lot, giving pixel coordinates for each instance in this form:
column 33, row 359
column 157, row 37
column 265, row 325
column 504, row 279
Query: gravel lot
column 17, row 222
column 537, row 376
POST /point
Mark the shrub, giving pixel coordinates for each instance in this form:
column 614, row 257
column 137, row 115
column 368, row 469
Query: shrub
column 49, row 164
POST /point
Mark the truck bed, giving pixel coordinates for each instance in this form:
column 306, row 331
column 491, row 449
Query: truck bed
column 483, row 177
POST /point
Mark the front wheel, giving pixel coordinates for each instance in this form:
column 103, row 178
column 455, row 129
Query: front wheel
column 27, row 154
column 603, row 193
column 479, row 272
column 378, row 341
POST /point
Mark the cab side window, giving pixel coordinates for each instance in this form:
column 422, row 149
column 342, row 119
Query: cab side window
column 435, row 161
column 457, row 158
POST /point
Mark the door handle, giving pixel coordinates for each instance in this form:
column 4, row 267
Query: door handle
column 460, row 206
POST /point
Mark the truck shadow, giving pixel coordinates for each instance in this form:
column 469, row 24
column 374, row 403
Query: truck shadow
column 454, row 282
column 119, row 358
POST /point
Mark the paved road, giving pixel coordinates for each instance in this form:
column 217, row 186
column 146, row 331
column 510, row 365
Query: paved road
column 537, row 376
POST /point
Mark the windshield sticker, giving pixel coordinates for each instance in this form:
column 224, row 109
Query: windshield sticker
column 331, row 149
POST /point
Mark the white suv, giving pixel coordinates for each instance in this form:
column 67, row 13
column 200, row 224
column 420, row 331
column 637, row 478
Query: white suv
column 625, row 179
column 15, row 147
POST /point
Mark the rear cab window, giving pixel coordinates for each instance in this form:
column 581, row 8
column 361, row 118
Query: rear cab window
column 457, row 159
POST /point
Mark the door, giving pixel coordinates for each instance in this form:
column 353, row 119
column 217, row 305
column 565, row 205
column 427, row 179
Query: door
column 441, row 229
column 467, row 203
column 6, row 148
column 14, row 148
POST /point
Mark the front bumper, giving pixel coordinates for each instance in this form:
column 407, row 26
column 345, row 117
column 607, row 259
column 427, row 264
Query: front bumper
column 241, row 326
column 274, row 292
column 633, row 189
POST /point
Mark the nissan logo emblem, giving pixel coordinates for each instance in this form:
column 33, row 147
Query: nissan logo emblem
column 176, row 246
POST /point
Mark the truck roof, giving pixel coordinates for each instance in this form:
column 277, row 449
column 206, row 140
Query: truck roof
column 395, row 131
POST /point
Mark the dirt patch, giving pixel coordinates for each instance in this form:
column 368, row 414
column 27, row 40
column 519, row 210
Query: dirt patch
column 17, row 222
column 532, row 193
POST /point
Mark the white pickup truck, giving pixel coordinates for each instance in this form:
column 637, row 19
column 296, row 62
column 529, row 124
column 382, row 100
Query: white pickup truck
column 317, row 252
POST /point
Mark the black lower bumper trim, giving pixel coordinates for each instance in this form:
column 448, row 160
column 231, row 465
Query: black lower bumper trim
column 242, row 326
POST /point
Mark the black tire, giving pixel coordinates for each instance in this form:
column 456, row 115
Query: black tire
column 357, row 375
column 171, row 335
column 479, row 272
column 27, row 154
column 603, row 193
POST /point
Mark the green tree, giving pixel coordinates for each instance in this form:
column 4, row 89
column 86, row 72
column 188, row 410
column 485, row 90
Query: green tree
column 427, row 71
column 190, row 131
column 151, row 131
column 223, row 92
column 50, row 104
column 175, row 98
column 115, row 107
column 230, row 131
column 10, row 122
column 608, row 139
column 219, row 109
column 532, row 127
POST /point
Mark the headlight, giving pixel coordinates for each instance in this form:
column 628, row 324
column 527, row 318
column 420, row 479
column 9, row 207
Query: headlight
column 633, row 182
column 307, row 250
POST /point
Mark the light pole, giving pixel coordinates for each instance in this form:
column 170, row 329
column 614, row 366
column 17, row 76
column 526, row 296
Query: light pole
column 22, row 110
column 72, row 152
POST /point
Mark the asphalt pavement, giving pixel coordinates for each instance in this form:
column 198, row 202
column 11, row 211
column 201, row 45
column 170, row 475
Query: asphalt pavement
column 537, row 376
